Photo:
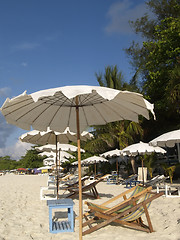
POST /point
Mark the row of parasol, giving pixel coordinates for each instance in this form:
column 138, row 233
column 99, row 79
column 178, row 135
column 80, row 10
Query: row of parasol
column 76, row 107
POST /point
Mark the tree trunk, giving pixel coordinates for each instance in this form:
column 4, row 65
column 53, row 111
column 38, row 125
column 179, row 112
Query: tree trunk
column 133, row 165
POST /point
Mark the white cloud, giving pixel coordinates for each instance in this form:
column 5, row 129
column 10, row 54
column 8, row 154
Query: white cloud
column 4, row 92
column 15, row 151
column 26, row 46
column 120, row 13
column 24, row 64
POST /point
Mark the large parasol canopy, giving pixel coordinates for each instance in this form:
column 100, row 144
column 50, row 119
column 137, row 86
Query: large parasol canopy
column 48, row 154
column 92, row 160
column 60, row 146
column 51, row 137
column 142, row 148
column 113, row 153
column 54, row 139
column 76, row 107
column 168, row 139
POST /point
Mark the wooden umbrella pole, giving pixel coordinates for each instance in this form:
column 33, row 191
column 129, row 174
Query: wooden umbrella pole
column 59, row 162
column 95, row 170
column 79, row 171
column 142, row 171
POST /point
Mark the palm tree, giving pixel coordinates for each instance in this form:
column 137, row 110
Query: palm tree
column 112, row 78
column 150, row 161
column 117, row 134
column 169, row 170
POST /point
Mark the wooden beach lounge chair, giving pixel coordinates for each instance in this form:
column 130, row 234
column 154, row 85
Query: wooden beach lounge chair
column 157, row 182
column 131, row 181
column 70, row 184
column 127, row 213
column 90, row 187
column 172, row 190
column 50, row 192
column 52, row 179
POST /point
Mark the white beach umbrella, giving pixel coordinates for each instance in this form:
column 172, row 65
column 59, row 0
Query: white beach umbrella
column 142, row 148
column 53, row 155
column 51, row 137
column 168, row 139
column 61, row 150
column 62, row 157
column 113, row 153
column 66, row 155
column 31, row 137
column 49, row 161
column 97, row 105
column 48, row 154
column 76, row 107
column 63, row 160
column 52, row 161
column 60, row 146
column 92, row 160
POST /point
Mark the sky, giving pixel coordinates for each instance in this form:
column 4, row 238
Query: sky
column 52, row 43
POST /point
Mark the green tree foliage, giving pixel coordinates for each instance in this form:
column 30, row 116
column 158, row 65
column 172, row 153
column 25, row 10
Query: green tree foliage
column 169, row 170
column 116, row 134
column 150, row 161
column 162, row 62
column 112, row 78
column 157, row 59
column 31, row 160
column 160, row 9
column 7, row 164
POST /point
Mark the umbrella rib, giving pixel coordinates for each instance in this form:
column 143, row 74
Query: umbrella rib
column 49, row 135
column 95, row 98
column 58, row 110
column 43, row 112
column 60, row 99
column 16, row 108
column 69, row 116
column 85, row 116
column 114, row 111
column 31, row 139
column 134, row 103
column 138, row 105
column 25, row 112
column 33, row 110
column 100, row 113
column 122, row 106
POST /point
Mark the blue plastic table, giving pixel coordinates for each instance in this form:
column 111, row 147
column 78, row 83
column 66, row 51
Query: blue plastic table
column 56, row 226
column 112, row 179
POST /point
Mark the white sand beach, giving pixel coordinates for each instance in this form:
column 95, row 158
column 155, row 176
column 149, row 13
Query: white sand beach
column 25, row 217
